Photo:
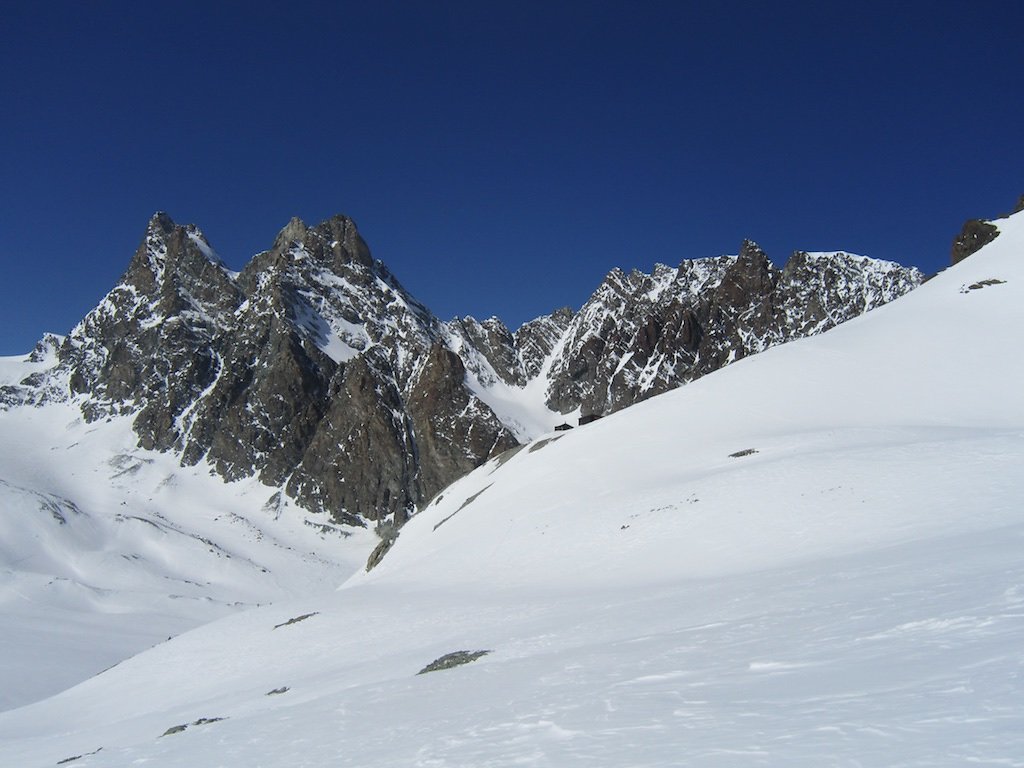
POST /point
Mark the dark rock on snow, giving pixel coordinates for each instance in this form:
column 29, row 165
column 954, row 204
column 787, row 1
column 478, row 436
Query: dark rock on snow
column 449, row 660
column 974, row 235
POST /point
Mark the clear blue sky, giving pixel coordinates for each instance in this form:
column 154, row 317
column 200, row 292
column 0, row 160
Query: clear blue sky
column 499, row 157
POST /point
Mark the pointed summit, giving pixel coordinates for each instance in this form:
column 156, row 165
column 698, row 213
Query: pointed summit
column 315, row 370
column 753, row 253
column 335, row 241
column 161, row 222
column 292, row 232
column 343, row 241
column 751, row 275
column 175, row 252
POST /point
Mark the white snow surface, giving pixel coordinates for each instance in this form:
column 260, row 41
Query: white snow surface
column 809, row 558
column 14, row 368
column 199, row 240
column 521, row 409
column 106, row 549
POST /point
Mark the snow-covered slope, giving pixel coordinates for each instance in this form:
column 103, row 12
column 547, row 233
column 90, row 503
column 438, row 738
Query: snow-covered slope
column 827, row 426
column 107, row 549
column 809, row 558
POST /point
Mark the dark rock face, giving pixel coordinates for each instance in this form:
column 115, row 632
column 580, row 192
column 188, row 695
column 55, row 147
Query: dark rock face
column 489, row 349
column 450, row 445
column 975, row 234
column 450, row 660
column 640, row 335
column 312, row 369
column 315, row 371
column 149, row 340
column 360, row 463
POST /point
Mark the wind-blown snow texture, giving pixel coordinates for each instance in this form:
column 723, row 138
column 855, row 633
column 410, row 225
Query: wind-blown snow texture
column 811, row 557
column 315, row 371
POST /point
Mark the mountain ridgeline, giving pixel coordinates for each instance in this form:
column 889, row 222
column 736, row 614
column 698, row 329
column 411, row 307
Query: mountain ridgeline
column 314, row 369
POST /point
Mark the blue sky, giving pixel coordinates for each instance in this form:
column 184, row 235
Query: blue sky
column 499, row 157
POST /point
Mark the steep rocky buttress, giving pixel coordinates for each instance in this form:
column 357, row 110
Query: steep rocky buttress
column 316, row 371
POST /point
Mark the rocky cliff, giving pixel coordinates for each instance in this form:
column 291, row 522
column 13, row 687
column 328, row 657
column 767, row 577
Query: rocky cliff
column 314, row 369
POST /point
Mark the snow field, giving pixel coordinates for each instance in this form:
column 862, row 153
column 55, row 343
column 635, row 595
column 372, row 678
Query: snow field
column 810, row 558
column 900, row 656
column 108, row 549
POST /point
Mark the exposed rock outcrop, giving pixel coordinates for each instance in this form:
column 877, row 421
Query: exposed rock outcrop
column 640, row 335
column 975, row 234
column 314, row 370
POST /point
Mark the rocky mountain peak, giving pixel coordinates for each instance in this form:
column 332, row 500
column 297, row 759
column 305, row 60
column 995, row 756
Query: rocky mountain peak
column 315, row 370
column 293, row 233
column 619, row 283
column 160, row 222
column 752, row 252
column 333, row 243
column 150, row 333
column 47, row 348
column 751, row 273
column 172, row 255
column 641, row 335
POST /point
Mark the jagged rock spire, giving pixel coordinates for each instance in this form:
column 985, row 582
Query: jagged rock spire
column 316, row 371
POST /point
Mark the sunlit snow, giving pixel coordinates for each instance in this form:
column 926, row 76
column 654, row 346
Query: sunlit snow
column 106, row 549
column 809, row 558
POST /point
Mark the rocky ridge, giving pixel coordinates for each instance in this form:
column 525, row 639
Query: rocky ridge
column 643, row 334
column 314, row 369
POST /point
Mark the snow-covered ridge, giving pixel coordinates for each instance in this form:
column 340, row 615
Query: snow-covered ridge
column 872, row 381
column 315, row 348
column 204, row 247
column 810, row 557
column 640, row 335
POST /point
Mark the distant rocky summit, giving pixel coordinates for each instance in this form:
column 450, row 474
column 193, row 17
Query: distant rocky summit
column 640, row 335
column 314, row 369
